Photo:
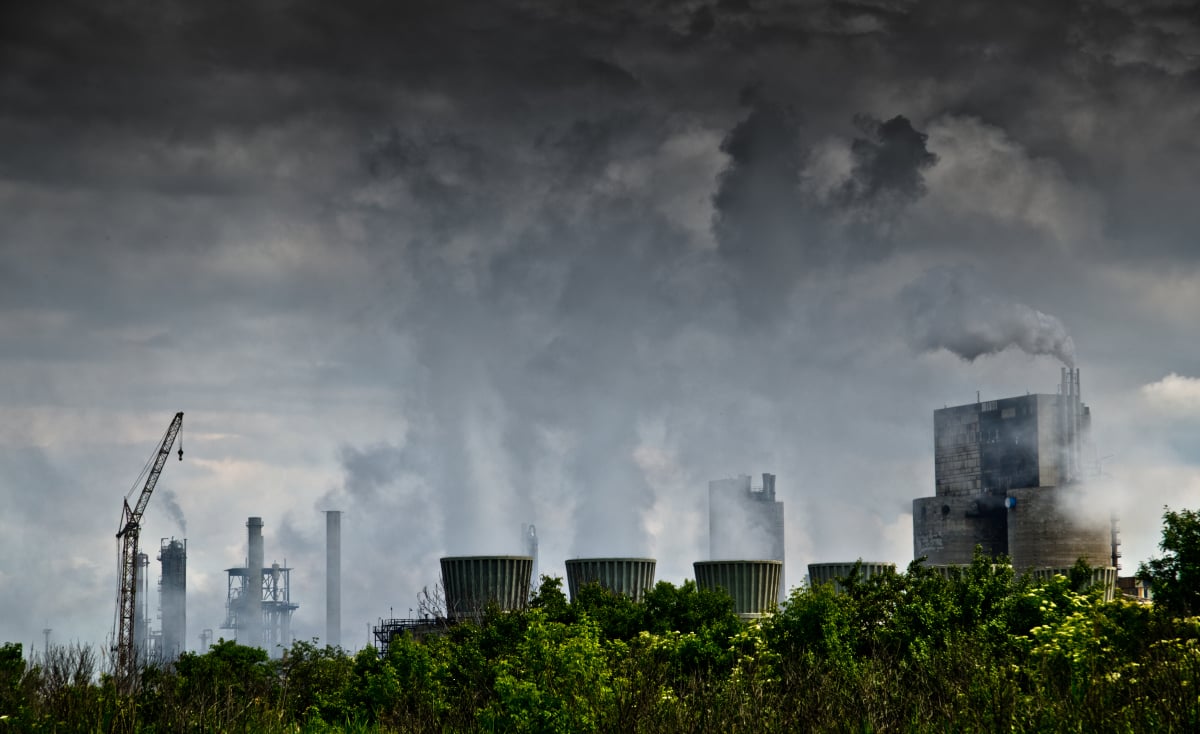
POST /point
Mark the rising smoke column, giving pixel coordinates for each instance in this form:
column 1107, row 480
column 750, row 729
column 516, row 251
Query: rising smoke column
column 952, row 308
column 169, row 501
column 778, row 216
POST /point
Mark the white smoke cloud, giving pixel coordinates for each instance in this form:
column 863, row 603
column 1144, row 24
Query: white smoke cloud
column 954, row 309
column 1174, row 395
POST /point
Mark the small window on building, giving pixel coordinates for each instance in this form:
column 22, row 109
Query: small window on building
column 1008, row 413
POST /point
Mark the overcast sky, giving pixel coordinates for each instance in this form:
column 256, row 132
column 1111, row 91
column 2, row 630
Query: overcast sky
column 451, row 267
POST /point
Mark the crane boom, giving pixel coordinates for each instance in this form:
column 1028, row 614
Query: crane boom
column 127, row 537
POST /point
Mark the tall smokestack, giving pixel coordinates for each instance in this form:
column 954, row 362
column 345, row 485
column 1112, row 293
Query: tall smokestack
column 333, row 578
column 252, row 621
column 1072, row 419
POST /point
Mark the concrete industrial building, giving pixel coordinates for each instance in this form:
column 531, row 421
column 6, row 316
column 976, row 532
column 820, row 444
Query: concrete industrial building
column 745, row 522
column 1007, row 477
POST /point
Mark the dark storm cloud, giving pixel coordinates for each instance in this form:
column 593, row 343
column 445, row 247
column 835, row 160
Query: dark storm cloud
column 776, row 227
column 758, row 207
column 887, row 164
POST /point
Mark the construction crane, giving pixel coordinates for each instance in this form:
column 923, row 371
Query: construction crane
column 127, row 539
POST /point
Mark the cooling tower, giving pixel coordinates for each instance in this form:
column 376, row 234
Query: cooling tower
column 829, row 573
column 952, row 571
column 1103, row 576
column 946, row 529
column 754, row 585
column 1042, row 533
column 173, row 597
column 628, row 576
column 471, row 583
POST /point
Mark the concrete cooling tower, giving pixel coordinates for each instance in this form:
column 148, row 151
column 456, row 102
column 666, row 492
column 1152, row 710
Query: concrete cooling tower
column 471, row 583
column 829, row 573
column 1043, row 533
column 754, row 585
column 628, row 576
column 1104, row 576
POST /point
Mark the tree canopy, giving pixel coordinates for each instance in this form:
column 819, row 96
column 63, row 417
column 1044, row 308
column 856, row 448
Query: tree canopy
column 1175, row 576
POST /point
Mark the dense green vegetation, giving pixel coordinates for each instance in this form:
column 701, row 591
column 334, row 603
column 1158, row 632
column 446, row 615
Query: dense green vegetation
column 1175, row 576
column 979, row 651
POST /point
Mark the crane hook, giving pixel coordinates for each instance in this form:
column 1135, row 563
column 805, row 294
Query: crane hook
column 181, row 443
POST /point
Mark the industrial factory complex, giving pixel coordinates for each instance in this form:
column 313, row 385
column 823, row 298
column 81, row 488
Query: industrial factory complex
column 1008, row 475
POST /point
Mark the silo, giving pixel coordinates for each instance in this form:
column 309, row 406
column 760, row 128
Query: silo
column 829, row 573
column 173, row 597
column 471, row 583
column 1042, row 533
column 628, row 576
column 754, row 585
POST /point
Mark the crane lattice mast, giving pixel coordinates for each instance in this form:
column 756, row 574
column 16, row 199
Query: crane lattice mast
column 127, row 537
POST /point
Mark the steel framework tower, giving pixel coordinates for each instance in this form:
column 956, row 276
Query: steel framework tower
column 127, row 538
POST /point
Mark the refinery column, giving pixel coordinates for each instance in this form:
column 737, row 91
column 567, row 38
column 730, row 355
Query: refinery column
column 173, row 598
column 333, row 578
